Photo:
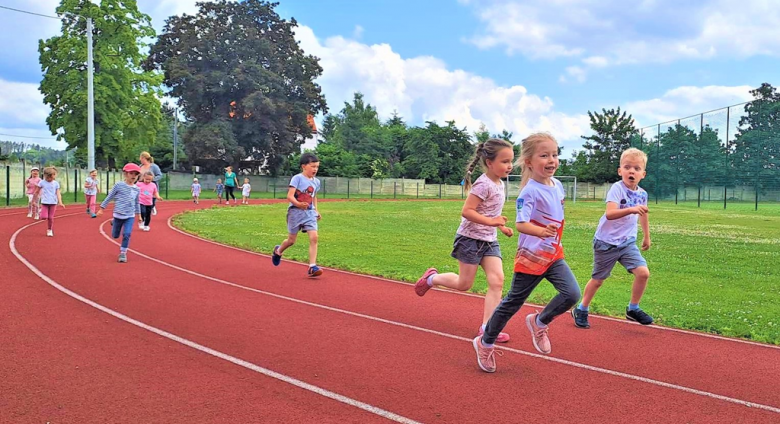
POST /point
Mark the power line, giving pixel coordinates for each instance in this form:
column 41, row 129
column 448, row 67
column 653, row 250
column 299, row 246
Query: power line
column 27, row 136
column 29, row 13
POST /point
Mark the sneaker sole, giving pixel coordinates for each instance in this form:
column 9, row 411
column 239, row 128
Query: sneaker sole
column 316, row 274
column 632, row 319
column 276, row 259
column 422, row 283
column 531, row 329
column 476, row 350
column 575, row 321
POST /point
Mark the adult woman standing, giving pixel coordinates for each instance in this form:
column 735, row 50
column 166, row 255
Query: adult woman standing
column 231, row 182
column 147, row 164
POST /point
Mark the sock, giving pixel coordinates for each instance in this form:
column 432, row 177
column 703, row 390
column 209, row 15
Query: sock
column 311, row 265
column 122, row 250
column 583, row 308
column 430, row 280
column 539, row 323
column 487, row 345
column 633, row 306
column 484, row 326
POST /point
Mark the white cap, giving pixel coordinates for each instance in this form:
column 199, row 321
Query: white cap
column 194, row 179
column 35, row 168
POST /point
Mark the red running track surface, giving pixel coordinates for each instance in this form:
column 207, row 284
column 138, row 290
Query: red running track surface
column 372, row 341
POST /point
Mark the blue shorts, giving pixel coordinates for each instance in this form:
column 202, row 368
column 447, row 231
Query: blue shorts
column 605, row 256
column 471, row 251
column 301, row 220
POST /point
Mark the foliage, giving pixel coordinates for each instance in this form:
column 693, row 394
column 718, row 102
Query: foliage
column 613, row 133
column 755, row 152
column 127, row 109
column 240, row 75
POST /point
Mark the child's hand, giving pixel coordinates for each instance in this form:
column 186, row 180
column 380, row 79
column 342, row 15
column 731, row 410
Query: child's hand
column 319, row 216
column 646, row 243
column 507, row 231
column 61, row 205
column 551, row 230
column 498, row 221
column 640, row 210
column 303, row 205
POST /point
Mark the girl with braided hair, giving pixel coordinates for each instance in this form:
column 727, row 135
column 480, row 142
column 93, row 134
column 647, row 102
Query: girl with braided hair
column 475, row 241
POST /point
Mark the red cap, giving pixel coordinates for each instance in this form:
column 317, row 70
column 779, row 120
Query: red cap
column 131, row 167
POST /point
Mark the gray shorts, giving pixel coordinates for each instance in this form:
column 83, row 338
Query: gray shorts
column 605, row 256
column 471, row 251
column 301, row 220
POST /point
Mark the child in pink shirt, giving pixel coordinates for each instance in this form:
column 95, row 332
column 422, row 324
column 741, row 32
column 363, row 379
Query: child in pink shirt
column 32, row 183
column 148, row 192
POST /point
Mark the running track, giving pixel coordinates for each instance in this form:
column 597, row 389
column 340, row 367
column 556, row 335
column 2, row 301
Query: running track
column 192, row 331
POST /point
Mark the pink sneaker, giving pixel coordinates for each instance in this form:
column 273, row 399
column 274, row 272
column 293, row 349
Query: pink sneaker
column 486, row 358
column 540, row 339
column 422, row 287
column 502, row 337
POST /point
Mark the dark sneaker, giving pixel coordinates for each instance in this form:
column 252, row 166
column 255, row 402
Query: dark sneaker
column 275, row 257
column 639, row 316
column 314, row 271
column 580, row 318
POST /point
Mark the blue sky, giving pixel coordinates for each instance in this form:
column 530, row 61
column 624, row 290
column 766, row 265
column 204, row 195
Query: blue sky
column 521, row 65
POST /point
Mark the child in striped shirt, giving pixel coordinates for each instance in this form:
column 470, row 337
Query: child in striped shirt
column 126, row 206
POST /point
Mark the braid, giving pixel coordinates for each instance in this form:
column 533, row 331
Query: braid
column 479, row 153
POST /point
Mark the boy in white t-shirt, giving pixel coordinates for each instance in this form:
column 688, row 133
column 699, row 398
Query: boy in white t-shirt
column 615, row 239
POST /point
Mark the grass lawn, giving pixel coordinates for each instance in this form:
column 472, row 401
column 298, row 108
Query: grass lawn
column 711, row 270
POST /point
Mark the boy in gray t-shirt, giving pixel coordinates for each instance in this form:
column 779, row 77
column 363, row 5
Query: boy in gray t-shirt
column 302, row 214
column 615, row 239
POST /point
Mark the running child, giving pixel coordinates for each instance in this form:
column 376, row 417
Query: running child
column 615, row 239
column 33, row 208
column 48, row 192
column 303, row 214
column 125, row 195
column 195, row 190
column 475, row 241
column 147, row 193
column 245, row 190
column 219, row 189
column 91, row 189
column 539, row 255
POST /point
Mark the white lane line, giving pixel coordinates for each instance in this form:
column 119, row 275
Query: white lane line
column 464, row 339
column 248, row 365
column 459, row 293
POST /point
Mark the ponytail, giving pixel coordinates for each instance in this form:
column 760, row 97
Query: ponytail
column 476, row 159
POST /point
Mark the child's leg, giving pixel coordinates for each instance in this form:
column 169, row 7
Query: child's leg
column 494, row 270
column 289, row 241
column 50, row 211
column 590, row 291
column 313, row 238
column 146, row 214
column 462, row 281
column 93, row 203
column 116, row 227
column 561, row 277
column 127, row 230
column 641, row 275
column 522, row 286
column 30, row 204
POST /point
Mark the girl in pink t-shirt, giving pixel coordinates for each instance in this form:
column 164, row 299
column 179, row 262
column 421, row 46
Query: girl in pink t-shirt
column 148, row 192
column 475, row 241
column 33, row 208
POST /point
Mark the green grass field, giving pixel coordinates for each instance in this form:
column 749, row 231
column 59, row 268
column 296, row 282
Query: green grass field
column 711, row 270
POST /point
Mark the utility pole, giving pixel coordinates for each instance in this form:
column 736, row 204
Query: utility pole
column 90, row 100
column 175, row 136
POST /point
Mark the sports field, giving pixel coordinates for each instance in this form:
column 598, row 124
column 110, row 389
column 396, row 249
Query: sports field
column 711, row 270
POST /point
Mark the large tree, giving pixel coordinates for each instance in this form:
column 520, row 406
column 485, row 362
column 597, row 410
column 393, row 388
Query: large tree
column 756, row 147
column 127, row 109
column 240, row 75
column 613, row 133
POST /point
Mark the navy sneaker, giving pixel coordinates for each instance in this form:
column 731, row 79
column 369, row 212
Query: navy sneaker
column 580, row 318
column 275, row 257
column 639, row 316
column 314, row 271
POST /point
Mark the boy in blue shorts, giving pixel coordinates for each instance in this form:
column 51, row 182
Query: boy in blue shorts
column 615, row 239
column 302, row 214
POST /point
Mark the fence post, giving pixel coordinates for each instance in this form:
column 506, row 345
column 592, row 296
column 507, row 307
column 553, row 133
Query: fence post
column 699, row 195
column 106, row 182
column 274, row 190
column 167, row 184
column 418, row 190
column 75, row 184
column 323, row 187
column 439, row 191
column 347, row 188
column 8, row 185
column 462, row 190
column 372, row 189
column 394, row 184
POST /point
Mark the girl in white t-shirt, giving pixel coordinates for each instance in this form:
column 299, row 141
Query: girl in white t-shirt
column 246, row 189
column 475, row 241
column 49, row 192
column 539, row 251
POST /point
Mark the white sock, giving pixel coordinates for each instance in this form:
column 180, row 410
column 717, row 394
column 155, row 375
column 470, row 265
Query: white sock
column 539, row 323
column 311, row 265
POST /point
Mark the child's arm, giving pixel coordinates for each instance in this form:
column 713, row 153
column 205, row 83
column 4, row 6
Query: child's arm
column 551, row 230
column 469, row 212
column 59, row 198
column 316, row 207
column 644, row 221
column 291, row 198
column 614, row 212
column 108, row 199
column 157, row 193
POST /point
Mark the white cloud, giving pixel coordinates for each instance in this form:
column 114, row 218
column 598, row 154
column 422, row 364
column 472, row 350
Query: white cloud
column 423, row 88
column 358, row 32
column 611, row 32
column 686, row 101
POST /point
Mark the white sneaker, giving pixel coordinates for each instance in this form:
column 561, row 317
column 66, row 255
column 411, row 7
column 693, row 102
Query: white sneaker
column 154, row 211
column 29, row 214
column 49, row 233
column 141, row 226
column 146, row 228
column 37, row 216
